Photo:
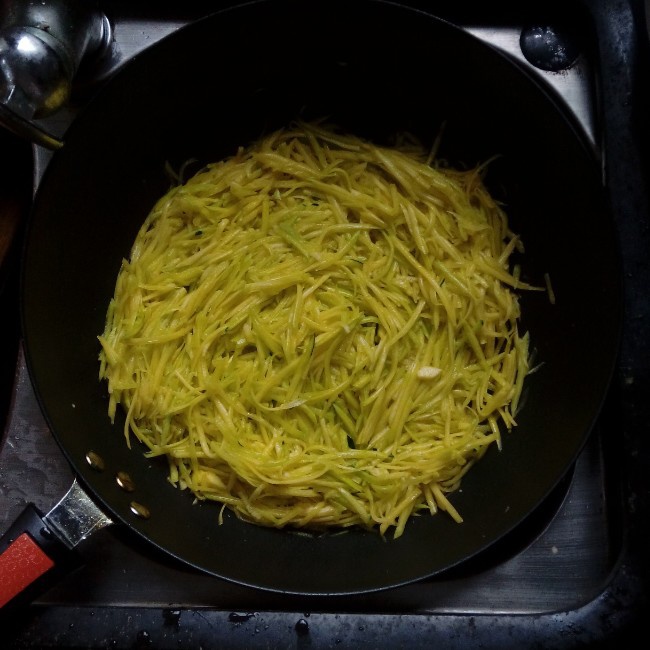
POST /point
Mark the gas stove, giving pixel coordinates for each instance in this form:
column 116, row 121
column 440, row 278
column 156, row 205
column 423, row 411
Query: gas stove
column 572, row 575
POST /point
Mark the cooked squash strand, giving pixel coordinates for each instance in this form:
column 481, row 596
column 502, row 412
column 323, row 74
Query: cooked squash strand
column 320, row 332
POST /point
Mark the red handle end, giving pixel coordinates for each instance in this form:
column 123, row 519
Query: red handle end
column 32, row 559
column 22, row 563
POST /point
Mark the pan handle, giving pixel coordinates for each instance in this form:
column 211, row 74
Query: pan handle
column 32, row 558
column 38, row 550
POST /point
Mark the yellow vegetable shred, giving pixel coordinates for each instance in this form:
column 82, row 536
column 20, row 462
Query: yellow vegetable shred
column 320, row 332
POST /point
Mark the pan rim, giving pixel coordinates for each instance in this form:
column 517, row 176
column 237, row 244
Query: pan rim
column 109, row 506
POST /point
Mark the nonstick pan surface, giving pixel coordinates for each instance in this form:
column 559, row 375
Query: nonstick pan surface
column 374, row 68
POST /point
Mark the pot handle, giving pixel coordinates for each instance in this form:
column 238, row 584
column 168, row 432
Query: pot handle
column 38, row 550
column 32, row 558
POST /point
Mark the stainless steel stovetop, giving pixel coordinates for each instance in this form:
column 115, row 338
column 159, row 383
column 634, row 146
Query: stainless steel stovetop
column 535, row 588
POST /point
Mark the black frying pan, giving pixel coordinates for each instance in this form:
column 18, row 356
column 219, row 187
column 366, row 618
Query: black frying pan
column 374, row 68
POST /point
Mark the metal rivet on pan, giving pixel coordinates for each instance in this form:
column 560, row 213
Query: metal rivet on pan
column 95, row 460
column 139, row 510
column 125, row 481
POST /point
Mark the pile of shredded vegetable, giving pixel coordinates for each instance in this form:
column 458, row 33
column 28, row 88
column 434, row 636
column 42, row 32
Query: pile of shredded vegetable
column 320, row 332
